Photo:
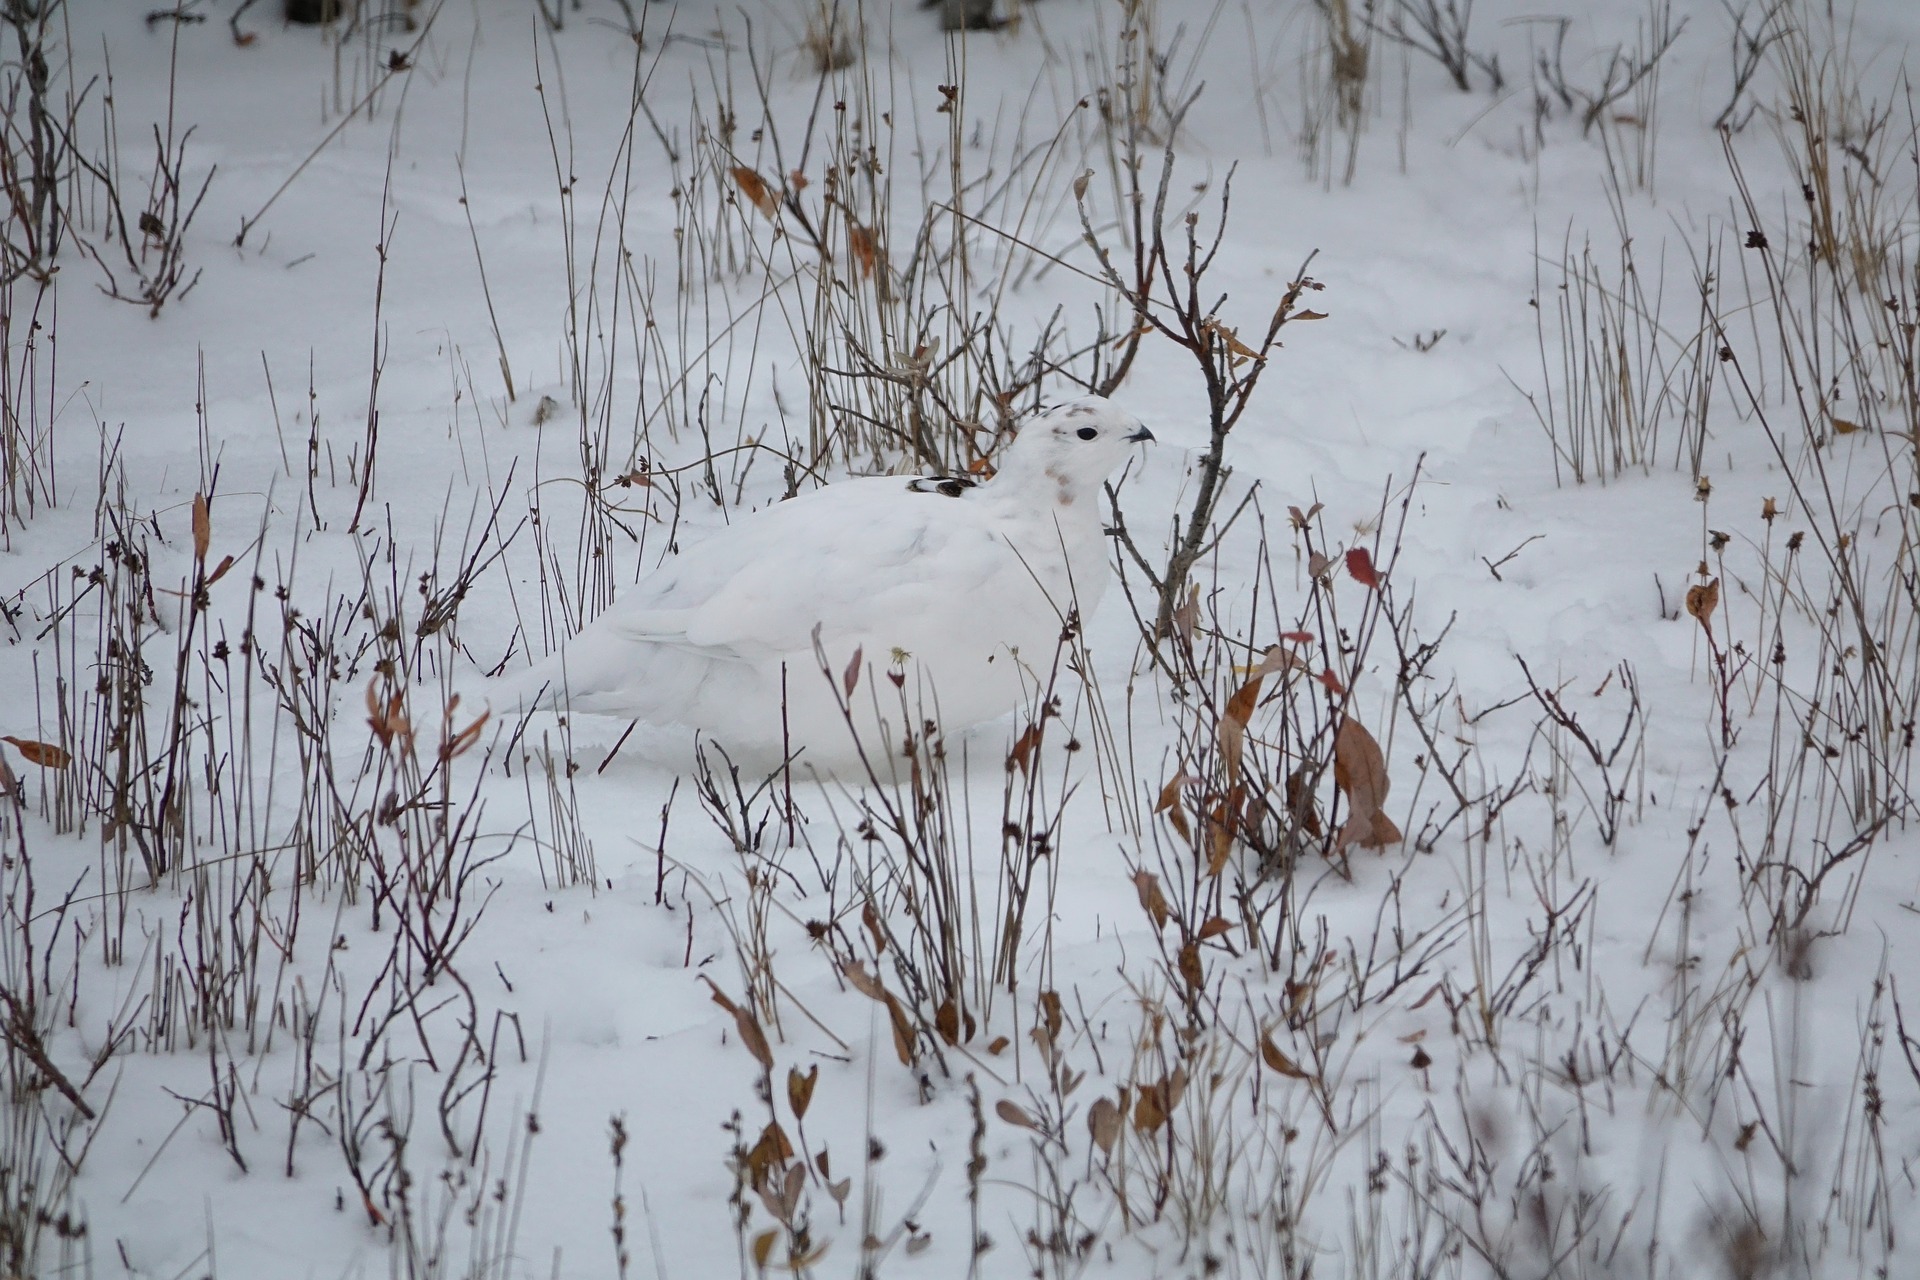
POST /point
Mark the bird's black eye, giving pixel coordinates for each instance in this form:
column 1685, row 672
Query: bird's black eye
column 1087, row 433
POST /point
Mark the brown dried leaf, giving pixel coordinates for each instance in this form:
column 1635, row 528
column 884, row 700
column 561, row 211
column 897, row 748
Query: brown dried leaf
column 851, row 676
column 763, row 1247
column 1385, row 832
column 800, row 1263
column 771, row 1152
column 1279, row 660
column 44, row 754
column 1300, row 802
column 748, row 1026
column 774, row 1199
column 1271, row 1055
column 1233, row 742
column 1224, row 826
column 388, row 716
column 1023, row 748
column 796, row 1182
column 1360, row 771
column 1186, row 617
column 1233, row 726
column 1103, row 1124
column 754, row 1038
column 1192, row 972
column 1147, row 885
column 220, row 570
column 1317, row 565
column 800, row 1090
column 954, row 1025
column 1011, row 1112
column 1169, row 804
column 864, row 982
column 1240, row 706
column 902, row 1032
column 1220, row 835
column 1053, row 1014
column 1214, row 927
column 867, row 985
column 462, row 742
column 202, row 527
column 871, row 919
column 755, row 188
column 1702, row 600
column 866, row 250
column 1359, row 768
column 1148, row 1113
column 1232, row 340
column 1841, row 427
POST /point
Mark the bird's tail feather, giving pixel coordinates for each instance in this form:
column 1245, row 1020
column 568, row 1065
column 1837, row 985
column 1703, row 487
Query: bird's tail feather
column 528, row 689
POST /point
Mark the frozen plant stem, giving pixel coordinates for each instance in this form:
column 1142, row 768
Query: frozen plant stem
column 387, row 225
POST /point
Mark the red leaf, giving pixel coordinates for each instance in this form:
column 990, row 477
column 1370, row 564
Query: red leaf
column 1360, row 567
column 1332, row 682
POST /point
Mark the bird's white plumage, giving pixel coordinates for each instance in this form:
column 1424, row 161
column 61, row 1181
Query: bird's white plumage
column 957, row 590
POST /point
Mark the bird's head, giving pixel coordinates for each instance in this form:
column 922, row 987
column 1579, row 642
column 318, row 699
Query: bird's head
column 1072, row 448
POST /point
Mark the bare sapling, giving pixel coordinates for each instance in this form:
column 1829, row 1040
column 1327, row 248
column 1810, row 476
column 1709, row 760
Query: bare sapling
column 1163, row 291
column 1439, row 29
column 152, row 242
column 39, row 107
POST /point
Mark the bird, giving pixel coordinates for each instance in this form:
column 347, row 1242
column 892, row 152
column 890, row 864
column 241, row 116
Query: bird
column 833, row 627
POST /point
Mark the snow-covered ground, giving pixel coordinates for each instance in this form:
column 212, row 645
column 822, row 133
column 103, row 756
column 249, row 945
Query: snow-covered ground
column 1585, row 492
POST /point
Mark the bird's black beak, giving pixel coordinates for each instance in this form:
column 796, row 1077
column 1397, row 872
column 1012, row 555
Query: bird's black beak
column 1142, row 436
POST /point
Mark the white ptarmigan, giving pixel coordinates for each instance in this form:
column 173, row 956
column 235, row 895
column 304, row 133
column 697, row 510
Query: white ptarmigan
column 953, row 592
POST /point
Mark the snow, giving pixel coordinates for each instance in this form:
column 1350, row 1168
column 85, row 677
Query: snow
column 1680, row 1084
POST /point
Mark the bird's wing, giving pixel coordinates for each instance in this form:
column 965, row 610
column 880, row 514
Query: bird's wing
column 856, row 559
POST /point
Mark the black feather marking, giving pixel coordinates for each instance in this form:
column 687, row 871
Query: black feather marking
column 945, row 486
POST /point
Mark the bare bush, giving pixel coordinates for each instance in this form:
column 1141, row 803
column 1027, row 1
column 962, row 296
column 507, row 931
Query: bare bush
column 1440, row 29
